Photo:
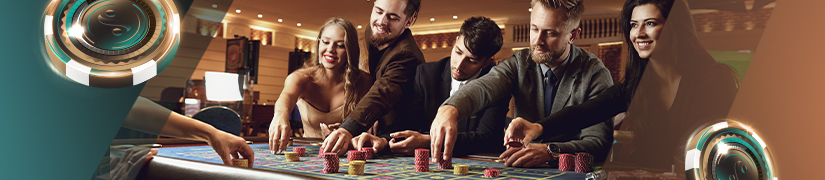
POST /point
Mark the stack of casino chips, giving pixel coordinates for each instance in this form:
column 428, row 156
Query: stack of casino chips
column 292, row 156
column 300, row 150
column 491, row 172
column 422, row 160
column 461, row 169
column 566, row 162
column 356, row 167
column 330, row 163
column 354, row 155
column 445, row 164
column 583, row 162
column 368, row 152
column 240, row 162
column 321, row 152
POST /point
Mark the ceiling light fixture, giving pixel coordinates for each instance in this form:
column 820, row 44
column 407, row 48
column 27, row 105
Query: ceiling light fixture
column 359, row 26
column 214, row 5
column 260, row 16
column 238, row 11
column 280, row 20
column 432, row 19
column 531, row 9
column 299, row 24
column 455, row 17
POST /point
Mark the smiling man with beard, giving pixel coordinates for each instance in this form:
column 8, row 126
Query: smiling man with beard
column 550, row 75
column 393, row 56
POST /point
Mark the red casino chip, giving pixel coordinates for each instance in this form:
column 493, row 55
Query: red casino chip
column 330, row 163
column 515, row 143
column 491, row 172
column 422, row 168
column 567, row 162
column 422, row 156
column 368, row 152
column 300, row 150
column 445, row 164
column 355, row 155
column 583, row 162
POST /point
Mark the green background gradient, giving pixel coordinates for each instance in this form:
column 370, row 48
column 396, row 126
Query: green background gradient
column 53, row 127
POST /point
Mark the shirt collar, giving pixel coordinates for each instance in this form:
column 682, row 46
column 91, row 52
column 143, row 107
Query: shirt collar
column 455, row 84
column 558, row 70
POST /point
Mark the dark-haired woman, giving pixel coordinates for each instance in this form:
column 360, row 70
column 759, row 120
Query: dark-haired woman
column 671, row 87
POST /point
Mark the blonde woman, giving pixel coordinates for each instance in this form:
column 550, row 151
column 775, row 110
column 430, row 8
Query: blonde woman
column 326, row 89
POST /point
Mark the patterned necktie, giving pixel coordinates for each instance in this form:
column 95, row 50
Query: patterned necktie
column 549, row 91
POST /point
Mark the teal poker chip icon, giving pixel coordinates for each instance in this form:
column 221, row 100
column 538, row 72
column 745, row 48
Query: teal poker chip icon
column 111, row 43
column 728, row 150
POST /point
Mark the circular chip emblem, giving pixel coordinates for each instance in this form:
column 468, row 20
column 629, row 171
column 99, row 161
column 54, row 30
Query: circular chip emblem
column 111, row 43
column 728, row 150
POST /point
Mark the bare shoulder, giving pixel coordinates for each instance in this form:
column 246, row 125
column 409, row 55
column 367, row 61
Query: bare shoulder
column 299, row 78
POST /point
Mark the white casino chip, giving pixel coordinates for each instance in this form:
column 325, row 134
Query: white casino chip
column 111, row 43
column 728, row 150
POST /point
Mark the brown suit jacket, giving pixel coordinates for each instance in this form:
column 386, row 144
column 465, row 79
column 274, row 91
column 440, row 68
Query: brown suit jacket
column 394, row 73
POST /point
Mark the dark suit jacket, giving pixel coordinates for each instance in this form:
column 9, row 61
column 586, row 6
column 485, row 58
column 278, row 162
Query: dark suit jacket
column 480, row 132
column 584, row 78
column 393, row 74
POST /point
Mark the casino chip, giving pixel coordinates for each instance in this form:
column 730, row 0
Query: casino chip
column 113, row 43
column 728, row 150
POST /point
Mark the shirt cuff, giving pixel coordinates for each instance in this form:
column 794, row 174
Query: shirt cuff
column 353, row 127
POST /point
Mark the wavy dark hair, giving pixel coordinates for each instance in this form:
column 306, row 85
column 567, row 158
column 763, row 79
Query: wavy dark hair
column 482, row 36
column 352, row 75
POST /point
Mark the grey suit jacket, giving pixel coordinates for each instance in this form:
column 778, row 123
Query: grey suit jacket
column 584, row 78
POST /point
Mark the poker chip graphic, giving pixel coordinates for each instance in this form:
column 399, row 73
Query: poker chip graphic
column 111, row 43
column 728, row 150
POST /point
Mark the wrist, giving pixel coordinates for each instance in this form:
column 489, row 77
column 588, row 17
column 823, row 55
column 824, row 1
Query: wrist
column 448, row 110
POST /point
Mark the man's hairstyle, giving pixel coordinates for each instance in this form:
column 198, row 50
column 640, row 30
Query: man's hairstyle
column 482, row 36
column 412, row 8
column 573, row 10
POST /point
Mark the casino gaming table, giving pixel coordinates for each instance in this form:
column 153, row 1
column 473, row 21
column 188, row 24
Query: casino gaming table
column 201, row 162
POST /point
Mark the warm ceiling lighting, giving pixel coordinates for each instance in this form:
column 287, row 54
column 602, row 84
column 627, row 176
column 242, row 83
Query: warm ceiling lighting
column 260, row 16
column 299, row 24
column 455, row 17
column 531, row 9
column 432, row 19
column 238, row 11
column 214, row 5
column 359, row 26
column 280, row 20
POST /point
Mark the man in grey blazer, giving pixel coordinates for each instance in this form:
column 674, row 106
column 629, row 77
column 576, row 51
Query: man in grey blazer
column 550, row 75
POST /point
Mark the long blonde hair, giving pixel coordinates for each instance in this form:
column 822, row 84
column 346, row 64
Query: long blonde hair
column 352, row 75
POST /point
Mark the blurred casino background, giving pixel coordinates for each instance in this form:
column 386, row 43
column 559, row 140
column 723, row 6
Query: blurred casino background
column 271, row 38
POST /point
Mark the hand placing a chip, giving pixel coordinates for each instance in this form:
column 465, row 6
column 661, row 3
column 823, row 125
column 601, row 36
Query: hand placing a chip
column 369, row 140
column 413, row 140
column 521, row 128
column 530, row 155
column 228, row 145
column 338, row 141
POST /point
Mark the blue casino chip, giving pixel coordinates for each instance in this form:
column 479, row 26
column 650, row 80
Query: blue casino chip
column 111, row 43
column 728, row 150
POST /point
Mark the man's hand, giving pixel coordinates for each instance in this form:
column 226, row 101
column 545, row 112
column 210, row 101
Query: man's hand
column 443, row 133
column 520, row 128
column 369, row 140
column 338, row 141
column 279, row 132
column 414, row 140
column 531, row 155
column 227, row 145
